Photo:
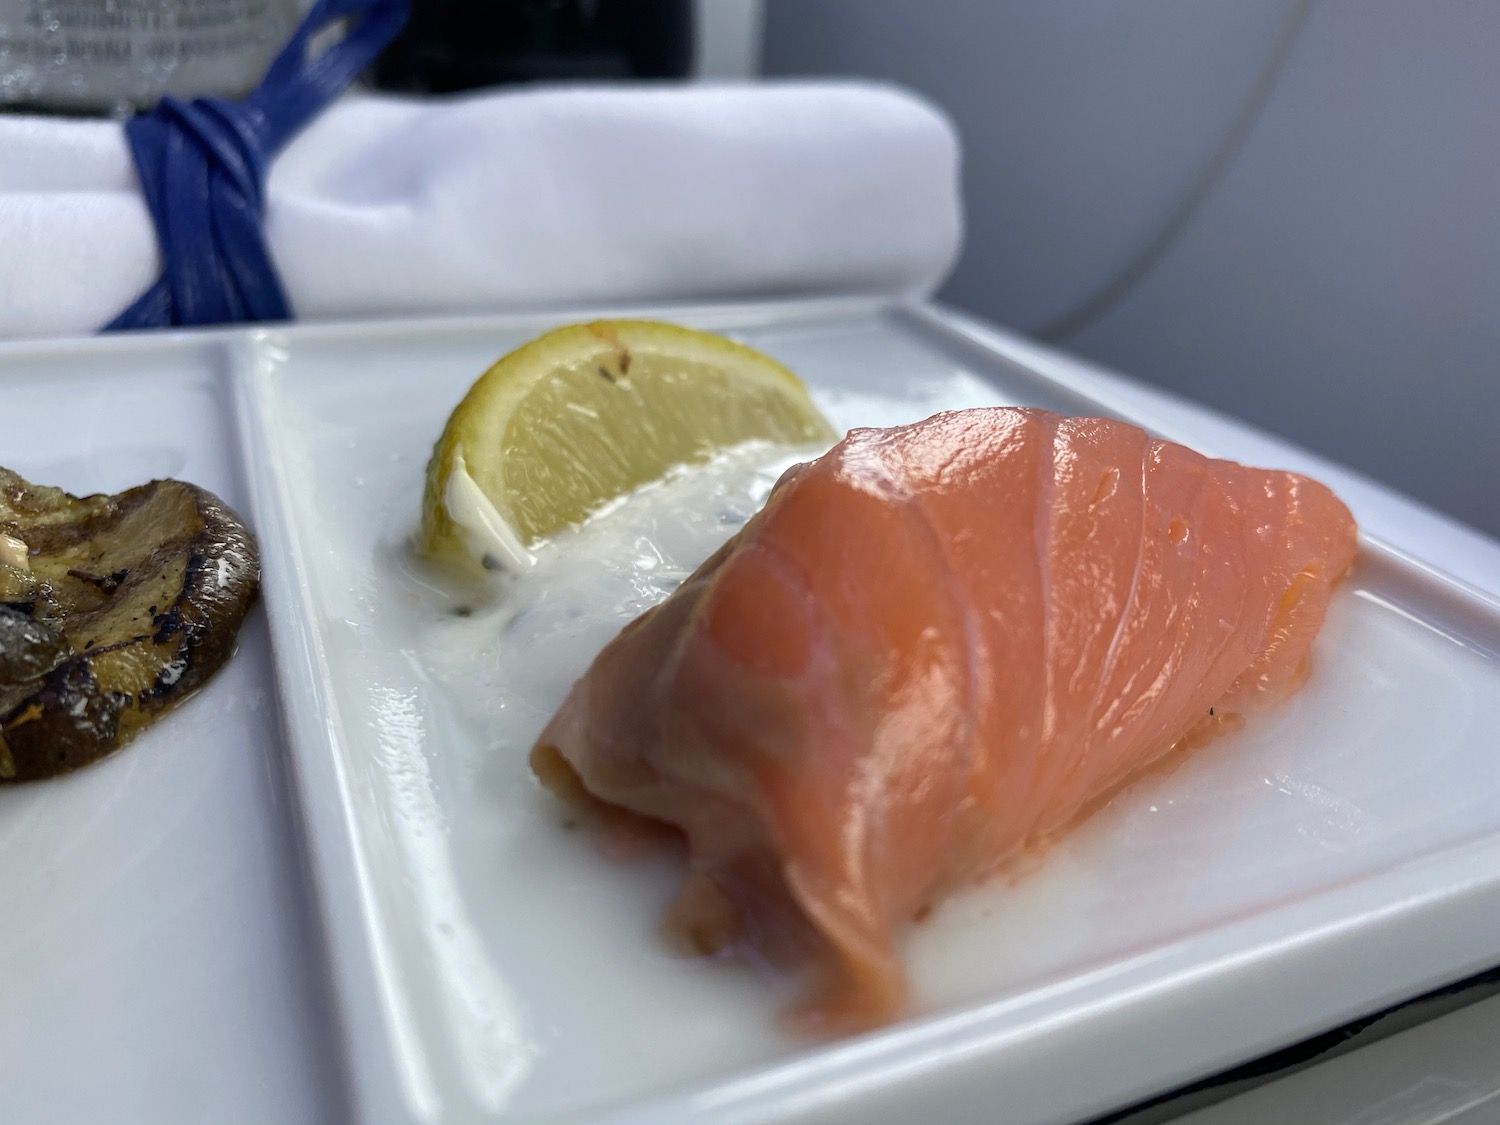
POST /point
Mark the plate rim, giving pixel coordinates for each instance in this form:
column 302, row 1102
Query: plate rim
column 851, row 1079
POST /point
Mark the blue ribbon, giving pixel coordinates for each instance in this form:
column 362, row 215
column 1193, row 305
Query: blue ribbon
column 202, row 167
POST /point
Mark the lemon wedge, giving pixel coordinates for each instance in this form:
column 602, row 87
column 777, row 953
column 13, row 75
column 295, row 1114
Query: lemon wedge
column 586, row 413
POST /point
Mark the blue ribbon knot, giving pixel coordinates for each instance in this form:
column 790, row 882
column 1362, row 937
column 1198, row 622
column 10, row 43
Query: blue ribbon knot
column 202, row 166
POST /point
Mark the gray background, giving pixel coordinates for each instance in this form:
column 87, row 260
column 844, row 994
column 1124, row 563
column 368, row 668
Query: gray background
column 1287, row 209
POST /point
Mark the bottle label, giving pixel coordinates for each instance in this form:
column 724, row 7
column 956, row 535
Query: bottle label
column 102, row 52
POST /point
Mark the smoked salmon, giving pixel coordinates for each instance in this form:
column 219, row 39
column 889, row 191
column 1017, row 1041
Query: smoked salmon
column 936, row 647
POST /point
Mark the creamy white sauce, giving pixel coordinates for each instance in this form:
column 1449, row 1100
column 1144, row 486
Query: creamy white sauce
column 505, row 652
column 536, row 624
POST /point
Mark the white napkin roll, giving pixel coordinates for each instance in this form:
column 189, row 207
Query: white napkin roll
column 553, row 196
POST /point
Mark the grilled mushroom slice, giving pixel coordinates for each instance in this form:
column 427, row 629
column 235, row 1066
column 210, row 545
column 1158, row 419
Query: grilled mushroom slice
column 113, row 609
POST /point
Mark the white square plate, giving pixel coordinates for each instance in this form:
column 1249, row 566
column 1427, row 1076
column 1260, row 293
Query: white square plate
column 155, row 965
column 1337, row 855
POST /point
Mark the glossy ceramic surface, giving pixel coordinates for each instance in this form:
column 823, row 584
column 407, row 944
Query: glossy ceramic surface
column 1337, row 855
column 492, row 966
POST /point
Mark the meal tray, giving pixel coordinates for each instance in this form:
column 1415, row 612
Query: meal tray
column 1338, row 855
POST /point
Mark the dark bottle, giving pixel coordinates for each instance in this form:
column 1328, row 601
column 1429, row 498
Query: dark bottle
column 452, row 45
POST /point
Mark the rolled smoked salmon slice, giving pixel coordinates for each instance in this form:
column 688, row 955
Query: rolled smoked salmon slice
column 938, row 646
